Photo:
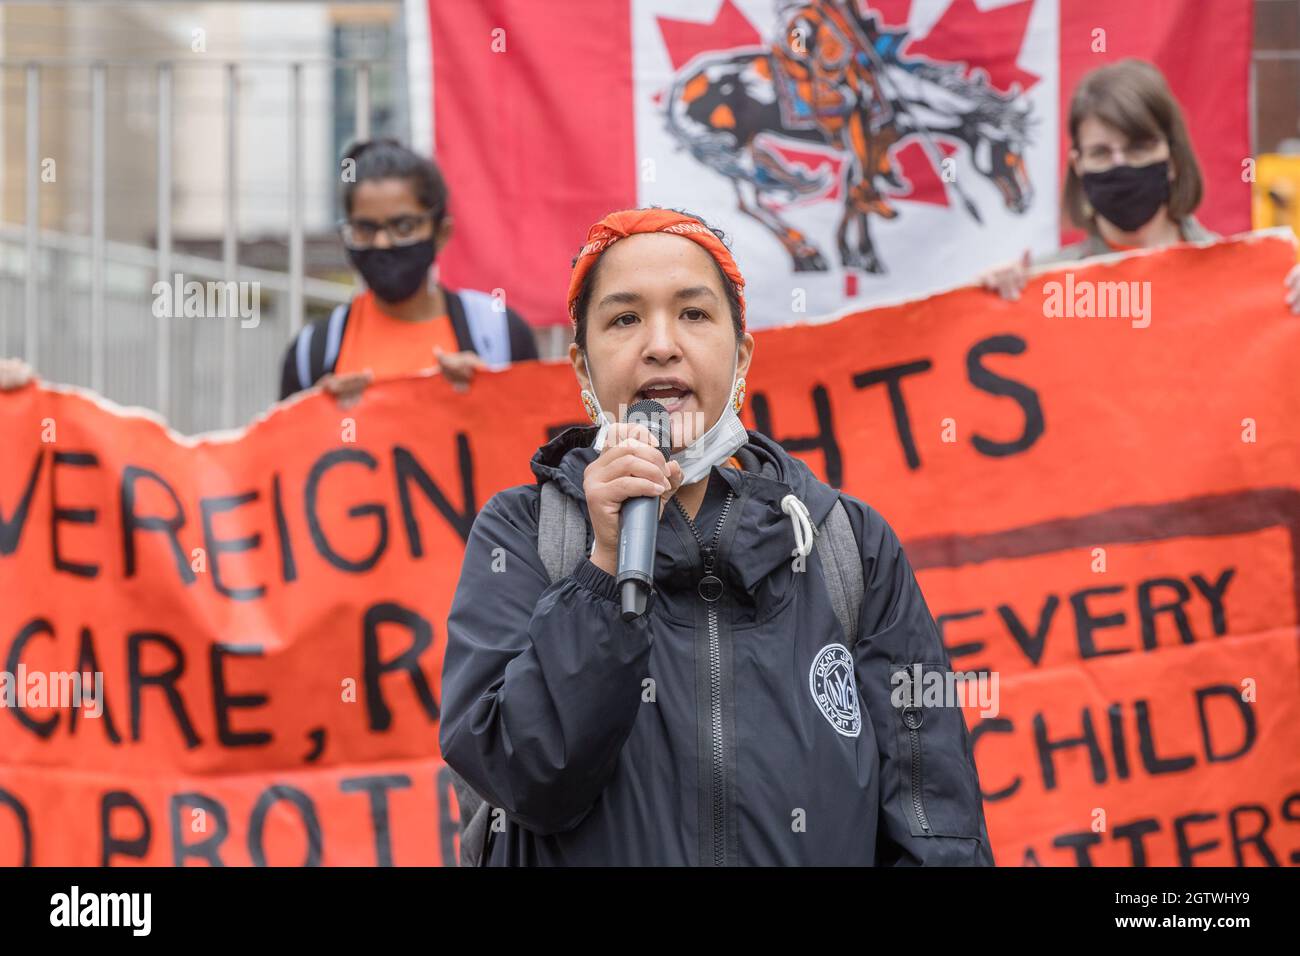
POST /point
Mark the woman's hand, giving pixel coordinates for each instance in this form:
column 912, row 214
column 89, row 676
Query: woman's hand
column 1008, row 280
column 1293, row 289
column 14, row 373
column 630, row 466
column 346, row 388
column 459, row 367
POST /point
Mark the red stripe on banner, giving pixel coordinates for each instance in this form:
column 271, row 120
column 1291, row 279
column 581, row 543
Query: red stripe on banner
column 1203, row 49
column 527, row 165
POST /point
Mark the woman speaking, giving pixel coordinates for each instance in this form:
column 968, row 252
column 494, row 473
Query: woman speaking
column 765, row 707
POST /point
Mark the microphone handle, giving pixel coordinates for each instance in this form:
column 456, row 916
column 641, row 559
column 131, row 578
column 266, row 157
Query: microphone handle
column 638, row 528
column 635, row 596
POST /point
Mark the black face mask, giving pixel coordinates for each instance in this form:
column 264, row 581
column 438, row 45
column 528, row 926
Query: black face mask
column 1128, row 196
column 396, row 273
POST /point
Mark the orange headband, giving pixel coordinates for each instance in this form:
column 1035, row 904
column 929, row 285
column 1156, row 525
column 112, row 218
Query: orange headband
column 619, row 225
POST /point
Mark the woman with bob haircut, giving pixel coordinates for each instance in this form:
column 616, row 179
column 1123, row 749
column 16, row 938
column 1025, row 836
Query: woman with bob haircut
column 761, row 710
column 1132, row 182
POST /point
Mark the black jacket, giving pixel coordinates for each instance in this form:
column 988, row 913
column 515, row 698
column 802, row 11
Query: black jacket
column 656, row 742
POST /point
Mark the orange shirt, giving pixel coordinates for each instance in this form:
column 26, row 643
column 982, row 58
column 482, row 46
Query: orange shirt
column 389, row 346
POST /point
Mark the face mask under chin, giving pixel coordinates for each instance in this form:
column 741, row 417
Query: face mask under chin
column 712, row 447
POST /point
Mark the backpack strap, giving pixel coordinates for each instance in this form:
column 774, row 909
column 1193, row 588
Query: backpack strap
column 334, row 335
column 561, row 532
column 302, row 355
column 475, row 822
column 488, row 328
column 562, row 538
column 842, row 567
column 316, row 350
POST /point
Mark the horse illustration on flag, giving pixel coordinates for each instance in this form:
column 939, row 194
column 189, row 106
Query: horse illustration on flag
column 817, row 113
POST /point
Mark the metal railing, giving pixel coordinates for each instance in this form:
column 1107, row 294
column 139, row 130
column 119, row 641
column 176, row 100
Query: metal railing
column 181, row 367
column 79, row 345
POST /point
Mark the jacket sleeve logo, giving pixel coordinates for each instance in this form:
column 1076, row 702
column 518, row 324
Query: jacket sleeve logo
column 833, row 688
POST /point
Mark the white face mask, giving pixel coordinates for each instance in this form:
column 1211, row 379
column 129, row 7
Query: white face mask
column 715, row 446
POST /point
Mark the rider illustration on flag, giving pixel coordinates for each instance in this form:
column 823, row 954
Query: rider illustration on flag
column 817, row 112
column 825, row 78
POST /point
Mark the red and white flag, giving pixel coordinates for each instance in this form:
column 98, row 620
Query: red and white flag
column 853, row 151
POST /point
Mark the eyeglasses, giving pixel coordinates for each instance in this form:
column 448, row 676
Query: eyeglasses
column 401, row 230
column 1098, row 157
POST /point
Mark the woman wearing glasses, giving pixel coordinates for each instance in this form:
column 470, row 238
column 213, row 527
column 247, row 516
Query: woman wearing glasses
column 396, row 222
column 1132, row 182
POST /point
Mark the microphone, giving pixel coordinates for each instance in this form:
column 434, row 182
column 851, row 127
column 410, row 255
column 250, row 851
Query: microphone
column 638, row 521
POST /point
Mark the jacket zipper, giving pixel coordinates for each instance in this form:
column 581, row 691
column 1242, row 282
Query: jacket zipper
column 710, row 591
column 912, row 720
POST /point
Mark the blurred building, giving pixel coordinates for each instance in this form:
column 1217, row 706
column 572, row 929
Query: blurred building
column 348, row 62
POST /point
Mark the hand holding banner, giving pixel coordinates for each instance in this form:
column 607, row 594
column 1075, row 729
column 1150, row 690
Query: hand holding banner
column 1104, row 511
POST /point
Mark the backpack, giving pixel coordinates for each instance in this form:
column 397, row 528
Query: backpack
column 562, row 544
column 315, row 350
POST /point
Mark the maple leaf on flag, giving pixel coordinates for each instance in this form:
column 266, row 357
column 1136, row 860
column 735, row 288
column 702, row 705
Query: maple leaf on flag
column 988, row 40
column 684, row 39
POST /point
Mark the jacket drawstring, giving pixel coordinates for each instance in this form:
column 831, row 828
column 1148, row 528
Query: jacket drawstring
column 803, row 529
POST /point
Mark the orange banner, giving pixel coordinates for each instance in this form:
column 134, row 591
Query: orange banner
column 1099, row 487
